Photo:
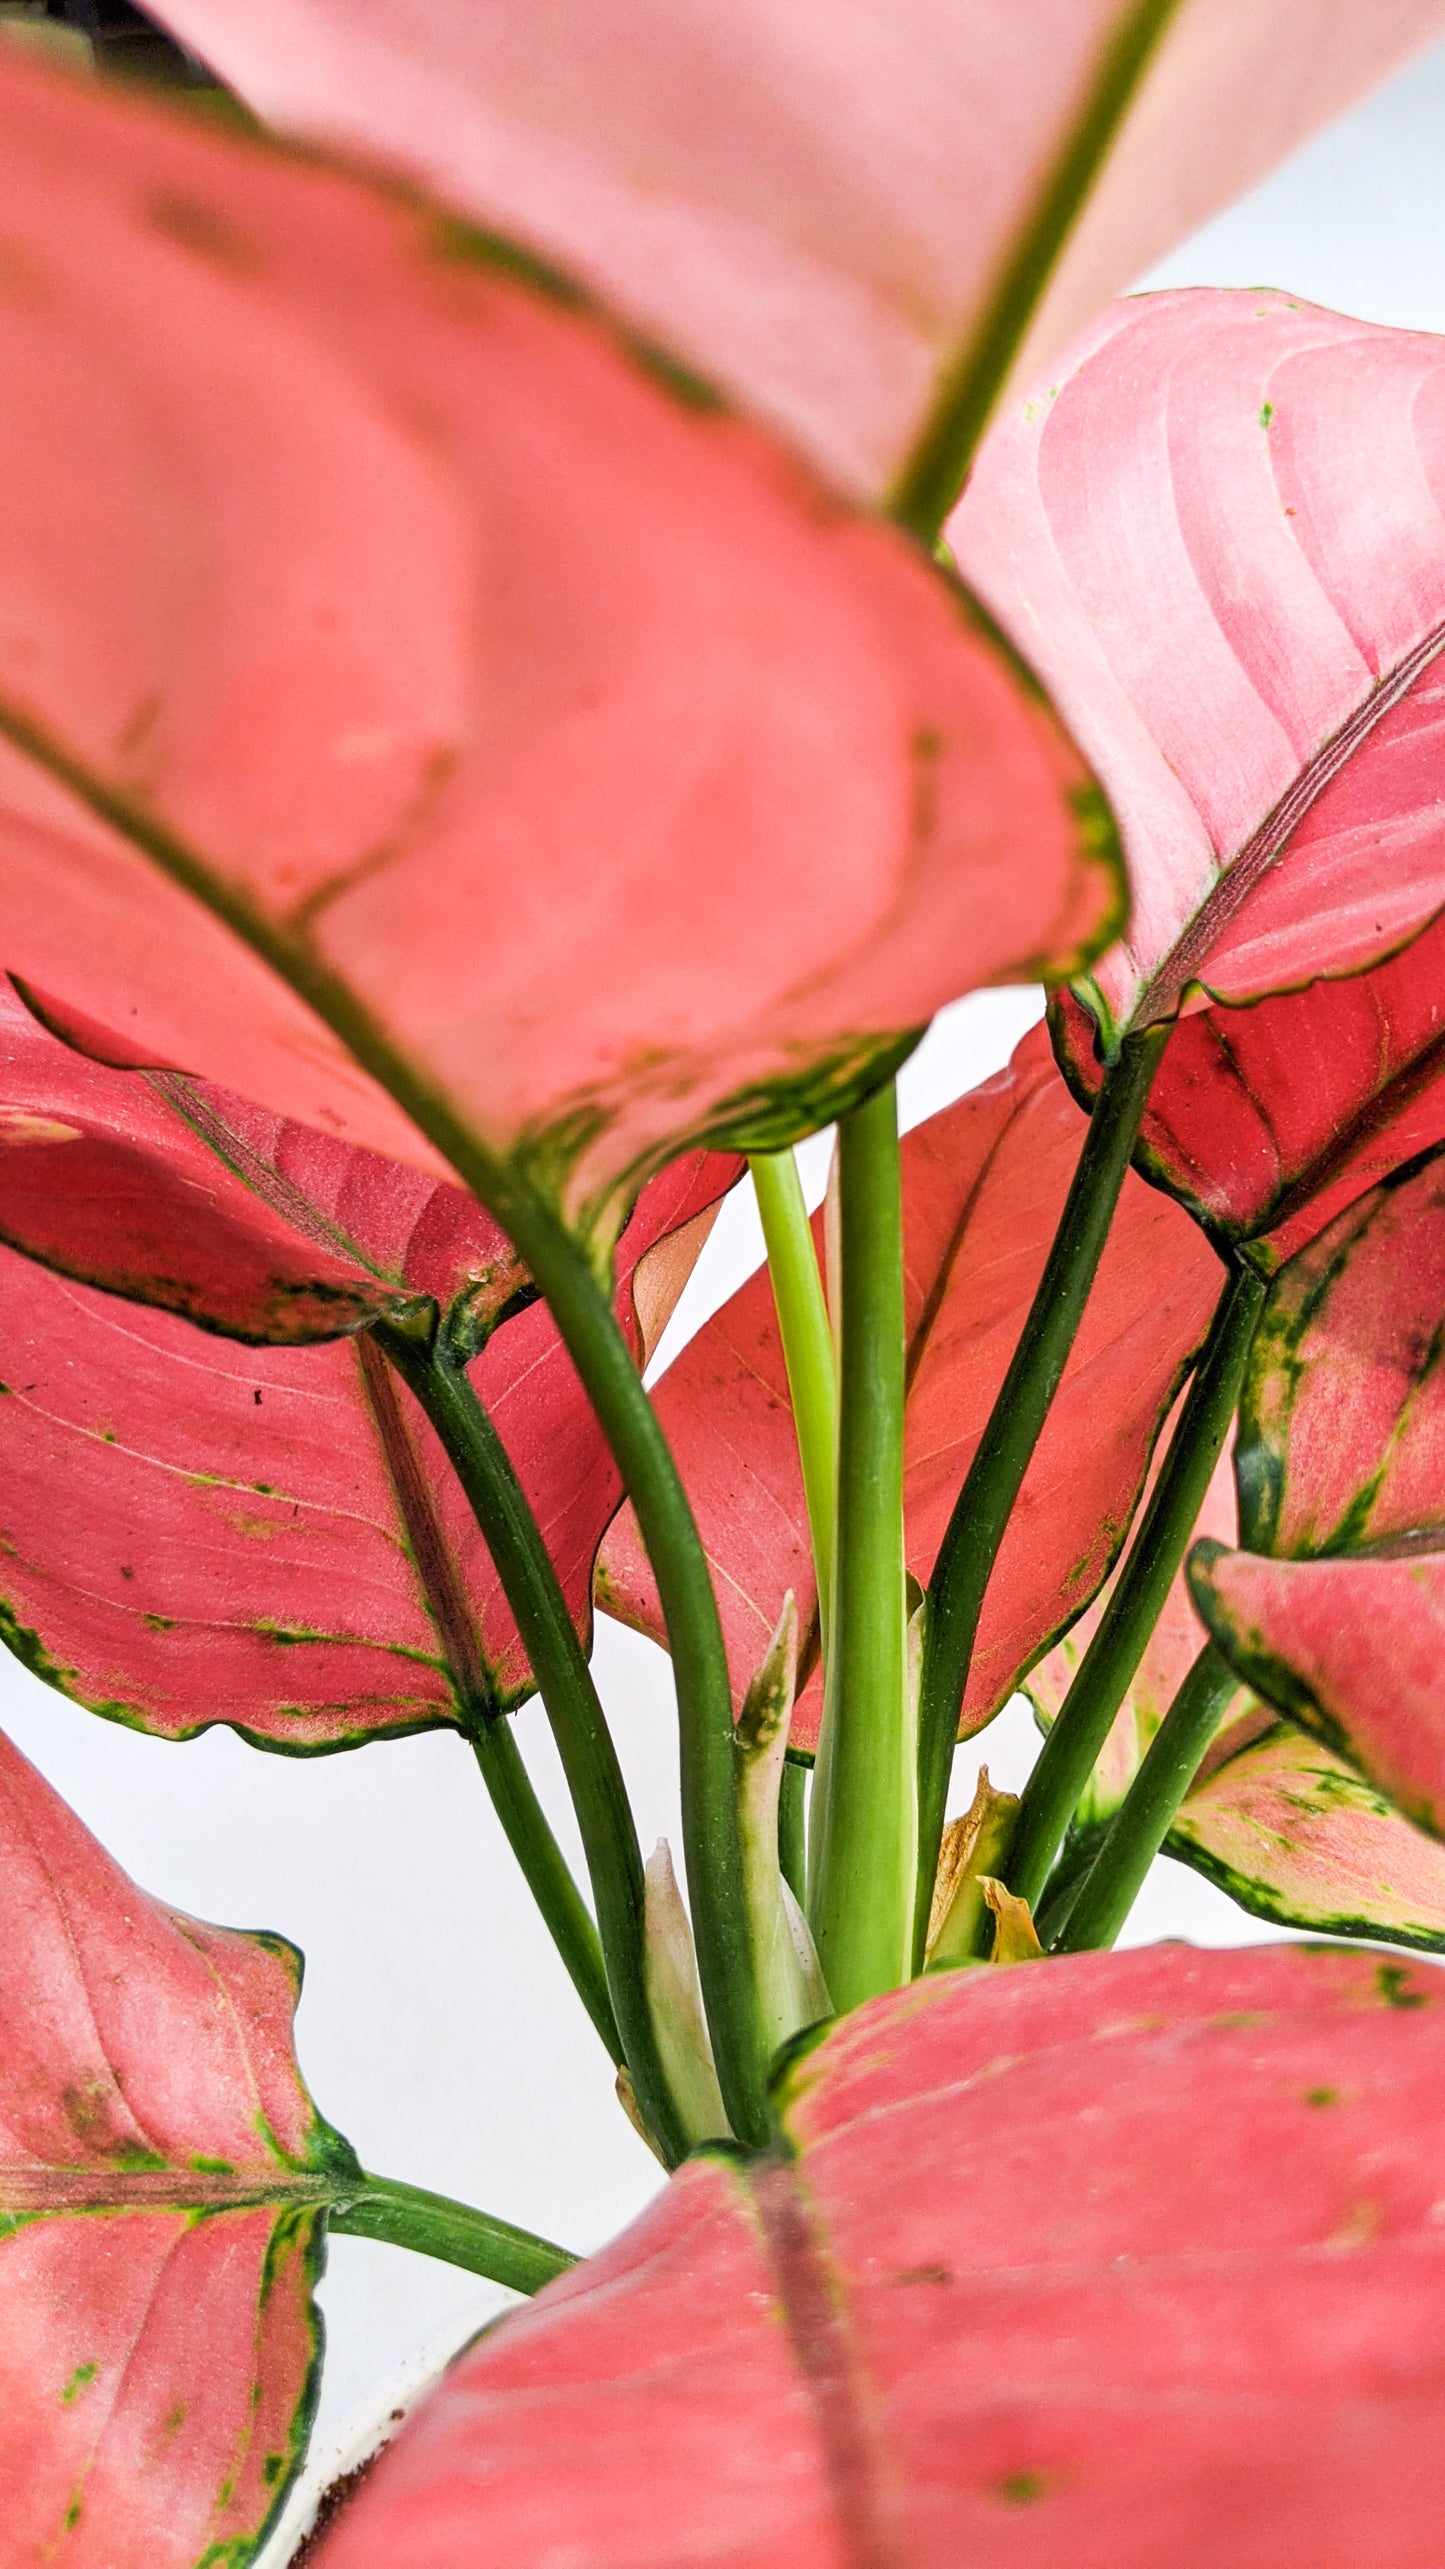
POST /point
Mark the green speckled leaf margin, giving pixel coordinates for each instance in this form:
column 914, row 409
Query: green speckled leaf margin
column 164, row 2179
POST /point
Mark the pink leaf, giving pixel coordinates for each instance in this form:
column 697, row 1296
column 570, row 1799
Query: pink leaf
column 1183, row 530
column 591, row 771
column 818, row 211
column 1351, row 1648
column 1295, row 1835
column 1341, row 1469
column 85, row 912
column 162, row 2177
column 984, row 1183
column 989, row 2309
column 1267, row 1121
column 1289, row 1831
column 1342, row 1419
column 175, row 1193
column 192, row 1532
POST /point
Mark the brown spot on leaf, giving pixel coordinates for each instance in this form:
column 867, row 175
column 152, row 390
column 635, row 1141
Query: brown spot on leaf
column 199, row 227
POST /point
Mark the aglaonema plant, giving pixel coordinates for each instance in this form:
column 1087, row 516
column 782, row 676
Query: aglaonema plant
column 518, row 702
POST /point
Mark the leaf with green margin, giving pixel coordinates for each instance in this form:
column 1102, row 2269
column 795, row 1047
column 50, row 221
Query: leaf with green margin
column 1342, row 1415
column 193, row 1531
column 1295, row 1835
column 163, row 2180
column 1287, row 1829
column 1115, row 2261
column 598, row 781
column 1269, row 1120
column 868, row 207
column 1351, row 1648
column 1335, row 1610
column 174, row 1193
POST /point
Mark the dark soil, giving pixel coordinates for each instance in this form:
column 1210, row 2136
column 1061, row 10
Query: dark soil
column 339, row 2495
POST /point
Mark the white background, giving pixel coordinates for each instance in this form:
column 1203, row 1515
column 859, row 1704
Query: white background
column 436, row 2028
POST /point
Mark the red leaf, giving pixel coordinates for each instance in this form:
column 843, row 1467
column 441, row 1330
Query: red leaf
column 600, row 778
column 1342, row 1446
column 1342, row 1418
column 1267, row 1121
column 193, row 1533
column 1289, row 1831
column 831, row 232
column 175, row 1193
column 1184, row 533
column 162, row 2176
column 1351, row 1649
column 984, row 1183
column 992, row 2310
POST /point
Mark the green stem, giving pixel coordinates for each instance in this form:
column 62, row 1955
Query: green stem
column 1086, row 1715
column 564, row 1681
column 793, row 1829
column 564, row 1911
column 863, row 1851
column 1142, row 1822
column 1005, row 1449
column 807, row 1350
column 711, row 1831
column 933, row 475
column 406, row 2216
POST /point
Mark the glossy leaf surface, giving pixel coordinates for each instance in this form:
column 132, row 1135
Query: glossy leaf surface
column 1268, row 1121
column 1342, row 1418
column 177, row 1194
column 1351, row 1648
column 94, row 954
column 1295, row 1835
column 192, row 1532
column 991, row 2309
column 600, row 778
column 1184, row 532
column 983, row 1186
column 1341, row 1468
column 1274, row 1819
column 833, row 231
column 162, row 2178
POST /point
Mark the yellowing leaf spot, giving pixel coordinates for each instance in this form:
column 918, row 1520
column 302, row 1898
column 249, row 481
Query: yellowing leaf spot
column 19, row 1130
column 1022, row 2488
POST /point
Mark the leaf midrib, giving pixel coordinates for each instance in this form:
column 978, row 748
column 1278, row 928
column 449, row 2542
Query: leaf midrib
column 1163, row 992
column 40, row 2189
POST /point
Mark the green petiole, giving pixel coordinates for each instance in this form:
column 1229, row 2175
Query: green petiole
column 1085, row 1717
column 407, row 2216
column 1141, row 1823
column 807, row 1338
column 544, row 1867
column 564, row 1680
column 863, row 1841
column 985, row 1503
column 711, row 1832
column 792, row 1830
